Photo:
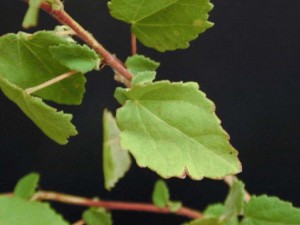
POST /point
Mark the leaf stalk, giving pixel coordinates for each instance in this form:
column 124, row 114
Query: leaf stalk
column 133, row 44
column 50, row 82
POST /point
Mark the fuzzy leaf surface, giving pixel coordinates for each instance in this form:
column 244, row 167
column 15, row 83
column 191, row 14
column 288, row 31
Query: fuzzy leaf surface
column 56, row 125
column 27, row 185
column 98, row 216
column 164, row 24
column 172, row 129
column 25, row 60
column 265, row 210
column 76, row 57
column 160, row 195
column 17, row 211
column 116, row 161
column 235, row 199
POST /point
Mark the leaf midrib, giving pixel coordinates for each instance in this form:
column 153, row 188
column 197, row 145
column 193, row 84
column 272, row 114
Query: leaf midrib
column 133, row 21
column 185, row 135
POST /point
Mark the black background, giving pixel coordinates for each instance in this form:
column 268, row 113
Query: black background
column 248, row 64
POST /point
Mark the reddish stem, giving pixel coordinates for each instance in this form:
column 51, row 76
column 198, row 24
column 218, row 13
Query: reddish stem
column 64, row 18
column 114, row 205
column 133, row 44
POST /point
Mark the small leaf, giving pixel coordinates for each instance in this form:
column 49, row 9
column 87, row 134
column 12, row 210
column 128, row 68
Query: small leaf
column 121, row 95
column 160, row 195
column 214, row 210
column 142, row 68
column 174, row 206
column 32, row 14
column 27, row 186
column 143, row 77
column 164, row 24
column 17, row 211
column 172, row 129
column 97, row 216
column 206, row 221
column 265, row 210
column 139, row 63
column 56, row 125
column 76, row 57
column 235, row 200
column 26, row 61
column 217, row 210
column 116, row 161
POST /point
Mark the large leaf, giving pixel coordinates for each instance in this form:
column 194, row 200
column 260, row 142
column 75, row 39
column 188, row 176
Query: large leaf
column 172, row 129
column 25, row 60
column 164, row 24
column 56, row 125
column 27, row 185
column 264, row 210
column 17, row 211
column 116, row 161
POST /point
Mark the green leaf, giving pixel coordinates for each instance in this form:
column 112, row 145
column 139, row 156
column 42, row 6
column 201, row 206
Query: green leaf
column 116, row 161
column 17, row 211
column 142, row 68
column 121, row 95
column 97, row 216
column 143, row 77
column 172, row 129
column 214, row 210
column 217, row 210
column 76, row 57
column 27, row 185
column 56, row 125
column 206, row 221
column 25, row 60
column 235, row 200
column 32, row 14
column 164, row 24
column 160, row 195
column 265, row 210
column 174, row 206
column 139, row 63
